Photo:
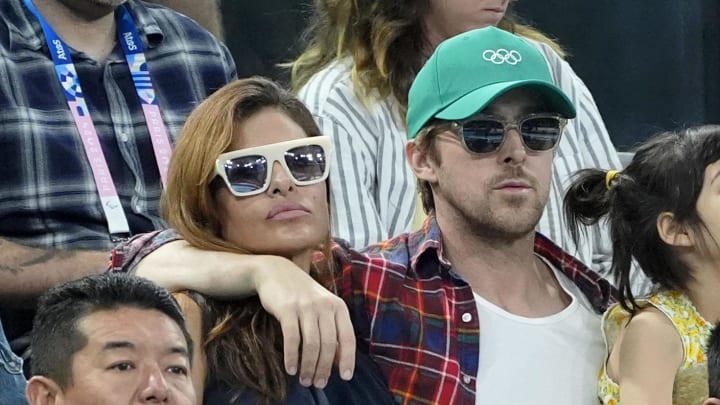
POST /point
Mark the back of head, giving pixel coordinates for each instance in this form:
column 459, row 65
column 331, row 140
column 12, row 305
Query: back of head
column 665, row 175
column 56, row 336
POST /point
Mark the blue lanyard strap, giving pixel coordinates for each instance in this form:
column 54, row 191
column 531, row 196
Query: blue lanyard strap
column 133, row 48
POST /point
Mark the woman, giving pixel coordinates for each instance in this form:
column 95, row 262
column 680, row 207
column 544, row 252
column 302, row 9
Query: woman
column 249, row 176
column 662, row 210
column 354, row 76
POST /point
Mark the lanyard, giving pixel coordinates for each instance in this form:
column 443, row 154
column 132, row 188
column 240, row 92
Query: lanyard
column 132, row 45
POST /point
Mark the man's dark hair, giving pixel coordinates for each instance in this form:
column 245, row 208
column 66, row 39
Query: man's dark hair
column 713, row 362
column 56, row 336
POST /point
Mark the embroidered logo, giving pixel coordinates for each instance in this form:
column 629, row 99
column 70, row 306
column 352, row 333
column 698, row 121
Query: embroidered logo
column 500, row 56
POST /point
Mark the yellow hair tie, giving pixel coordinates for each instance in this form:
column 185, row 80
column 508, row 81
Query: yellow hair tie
column 610, row 177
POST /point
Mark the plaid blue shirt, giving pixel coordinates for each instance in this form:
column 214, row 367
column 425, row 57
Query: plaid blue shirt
column 48, row 197
column 417, row 318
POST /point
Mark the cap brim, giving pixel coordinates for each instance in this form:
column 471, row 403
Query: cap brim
column 475, row 101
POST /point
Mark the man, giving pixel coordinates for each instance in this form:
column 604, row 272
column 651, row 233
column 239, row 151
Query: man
column 110, row 339
column 92, row 94
column 484, row 119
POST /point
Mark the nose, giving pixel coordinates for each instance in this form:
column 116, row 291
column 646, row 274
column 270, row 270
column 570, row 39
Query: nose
column 156, row 389
column 513, row 150
column 280, row 181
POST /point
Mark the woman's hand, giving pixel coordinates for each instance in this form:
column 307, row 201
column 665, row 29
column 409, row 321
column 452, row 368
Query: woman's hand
column 315, row 322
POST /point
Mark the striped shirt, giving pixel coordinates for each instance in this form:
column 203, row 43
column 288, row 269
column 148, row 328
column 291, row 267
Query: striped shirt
column 373, row 187
column 49, row 197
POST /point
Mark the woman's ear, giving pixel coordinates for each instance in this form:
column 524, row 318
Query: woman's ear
column 712, row 401
column 672, row 232
column 420, row 162
column 42, row 391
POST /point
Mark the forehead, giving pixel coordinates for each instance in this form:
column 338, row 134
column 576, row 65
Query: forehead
column 144, row 328
column 267, row 126
column 517, row 102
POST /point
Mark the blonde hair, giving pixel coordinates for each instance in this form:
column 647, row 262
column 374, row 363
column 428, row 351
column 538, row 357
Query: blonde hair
column 384, row 40
column 243, row 343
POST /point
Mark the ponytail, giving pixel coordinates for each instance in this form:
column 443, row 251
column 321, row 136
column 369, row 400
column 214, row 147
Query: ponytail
column 596, row 194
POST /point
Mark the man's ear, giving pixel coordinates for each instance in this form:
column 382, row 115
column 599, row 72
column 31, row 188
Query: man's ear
column 43, row 391
column 712, row 401
column 672, row 232
column 420, row 162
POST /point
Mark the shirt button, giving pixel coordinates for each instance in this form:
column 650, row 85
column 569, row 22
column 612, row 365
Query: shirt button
column 124, row 137
column 466, row 317
column 467, row 379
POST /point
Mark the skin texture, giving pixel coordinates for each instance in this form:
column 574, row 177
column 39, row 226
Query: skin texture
column 132, row 356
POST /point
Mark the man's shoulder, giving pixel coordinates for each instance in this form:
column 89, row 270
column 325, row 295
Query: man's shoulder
column 390, row 255
column 600, row 292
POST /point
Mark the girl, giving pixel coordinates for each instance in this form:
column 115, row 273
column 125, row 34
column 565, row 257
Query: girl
column 664, row 212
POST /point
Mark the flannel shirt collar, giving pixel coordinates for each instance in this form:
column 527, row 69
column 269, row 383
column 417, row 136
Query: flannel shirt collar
column 27, row 33
column 427, row 241
column 426, row 244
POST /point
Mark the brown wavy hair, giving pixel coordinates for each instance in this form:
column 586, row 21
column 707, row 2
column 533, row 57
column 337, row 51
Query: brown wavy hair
column 243, row 343
column 384, row 40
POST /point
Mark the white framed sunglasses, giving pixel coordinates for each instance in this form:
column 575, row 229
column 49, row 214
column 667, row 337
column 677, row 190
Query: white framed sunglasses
column 248, row 171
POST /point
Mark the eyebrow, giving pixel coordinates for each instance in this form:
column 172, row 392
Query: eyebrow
column 114, row 345
column 123, row 344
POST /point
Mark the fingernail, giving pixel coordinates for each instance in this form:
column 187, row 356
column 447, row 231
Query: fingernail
column 292, row 370
column 320, row 383
column 347, row 375
column 306, row 382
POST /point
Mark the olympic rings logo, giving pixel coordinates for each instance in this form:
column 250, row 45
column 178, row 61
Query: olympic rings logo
column 501, row 56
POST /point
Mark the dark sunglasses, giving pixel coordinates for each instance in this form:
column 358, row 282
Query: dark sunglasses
column 247, row 172
column 486, row 134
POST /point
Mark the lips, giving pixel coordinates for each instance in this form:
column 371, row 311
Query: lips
column 513, row 184
column 287, row 211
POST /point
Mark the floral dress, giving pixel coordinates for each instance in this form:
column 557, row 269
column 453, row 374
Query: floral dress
column 690, row 386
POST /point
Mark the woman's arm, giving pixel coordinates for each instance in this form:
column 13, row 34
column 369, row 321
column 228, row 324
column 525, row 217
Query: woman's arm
column 315, row 322
column 193, row 323
column 645, row 359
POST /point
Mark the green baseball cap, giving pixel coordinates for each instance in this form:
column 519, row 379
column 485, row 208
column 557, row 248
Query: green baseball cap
column 468, row 71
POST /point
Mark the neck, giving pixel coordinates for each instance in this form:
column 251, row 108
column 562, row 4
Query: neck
column 504, row 272
column 89, row 28
column 303, row 260
column 703, row 290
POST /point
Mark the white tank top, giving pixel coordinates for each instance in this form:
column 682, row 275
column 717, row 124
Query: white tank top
column 550, row 360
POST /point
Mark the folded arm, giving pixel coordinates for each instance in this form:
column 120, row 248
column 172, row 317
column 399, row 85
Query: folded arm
column 26, row 272
column 315, row 322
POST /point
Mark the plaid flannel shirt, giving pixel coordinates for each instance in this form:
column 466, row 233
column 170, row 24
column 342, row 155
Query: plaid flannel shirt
column 415, row 316
column 49, row 197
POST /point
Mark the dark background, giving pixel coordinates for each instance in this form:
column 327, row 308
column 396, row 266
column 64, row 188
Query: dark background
column 651, row 64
